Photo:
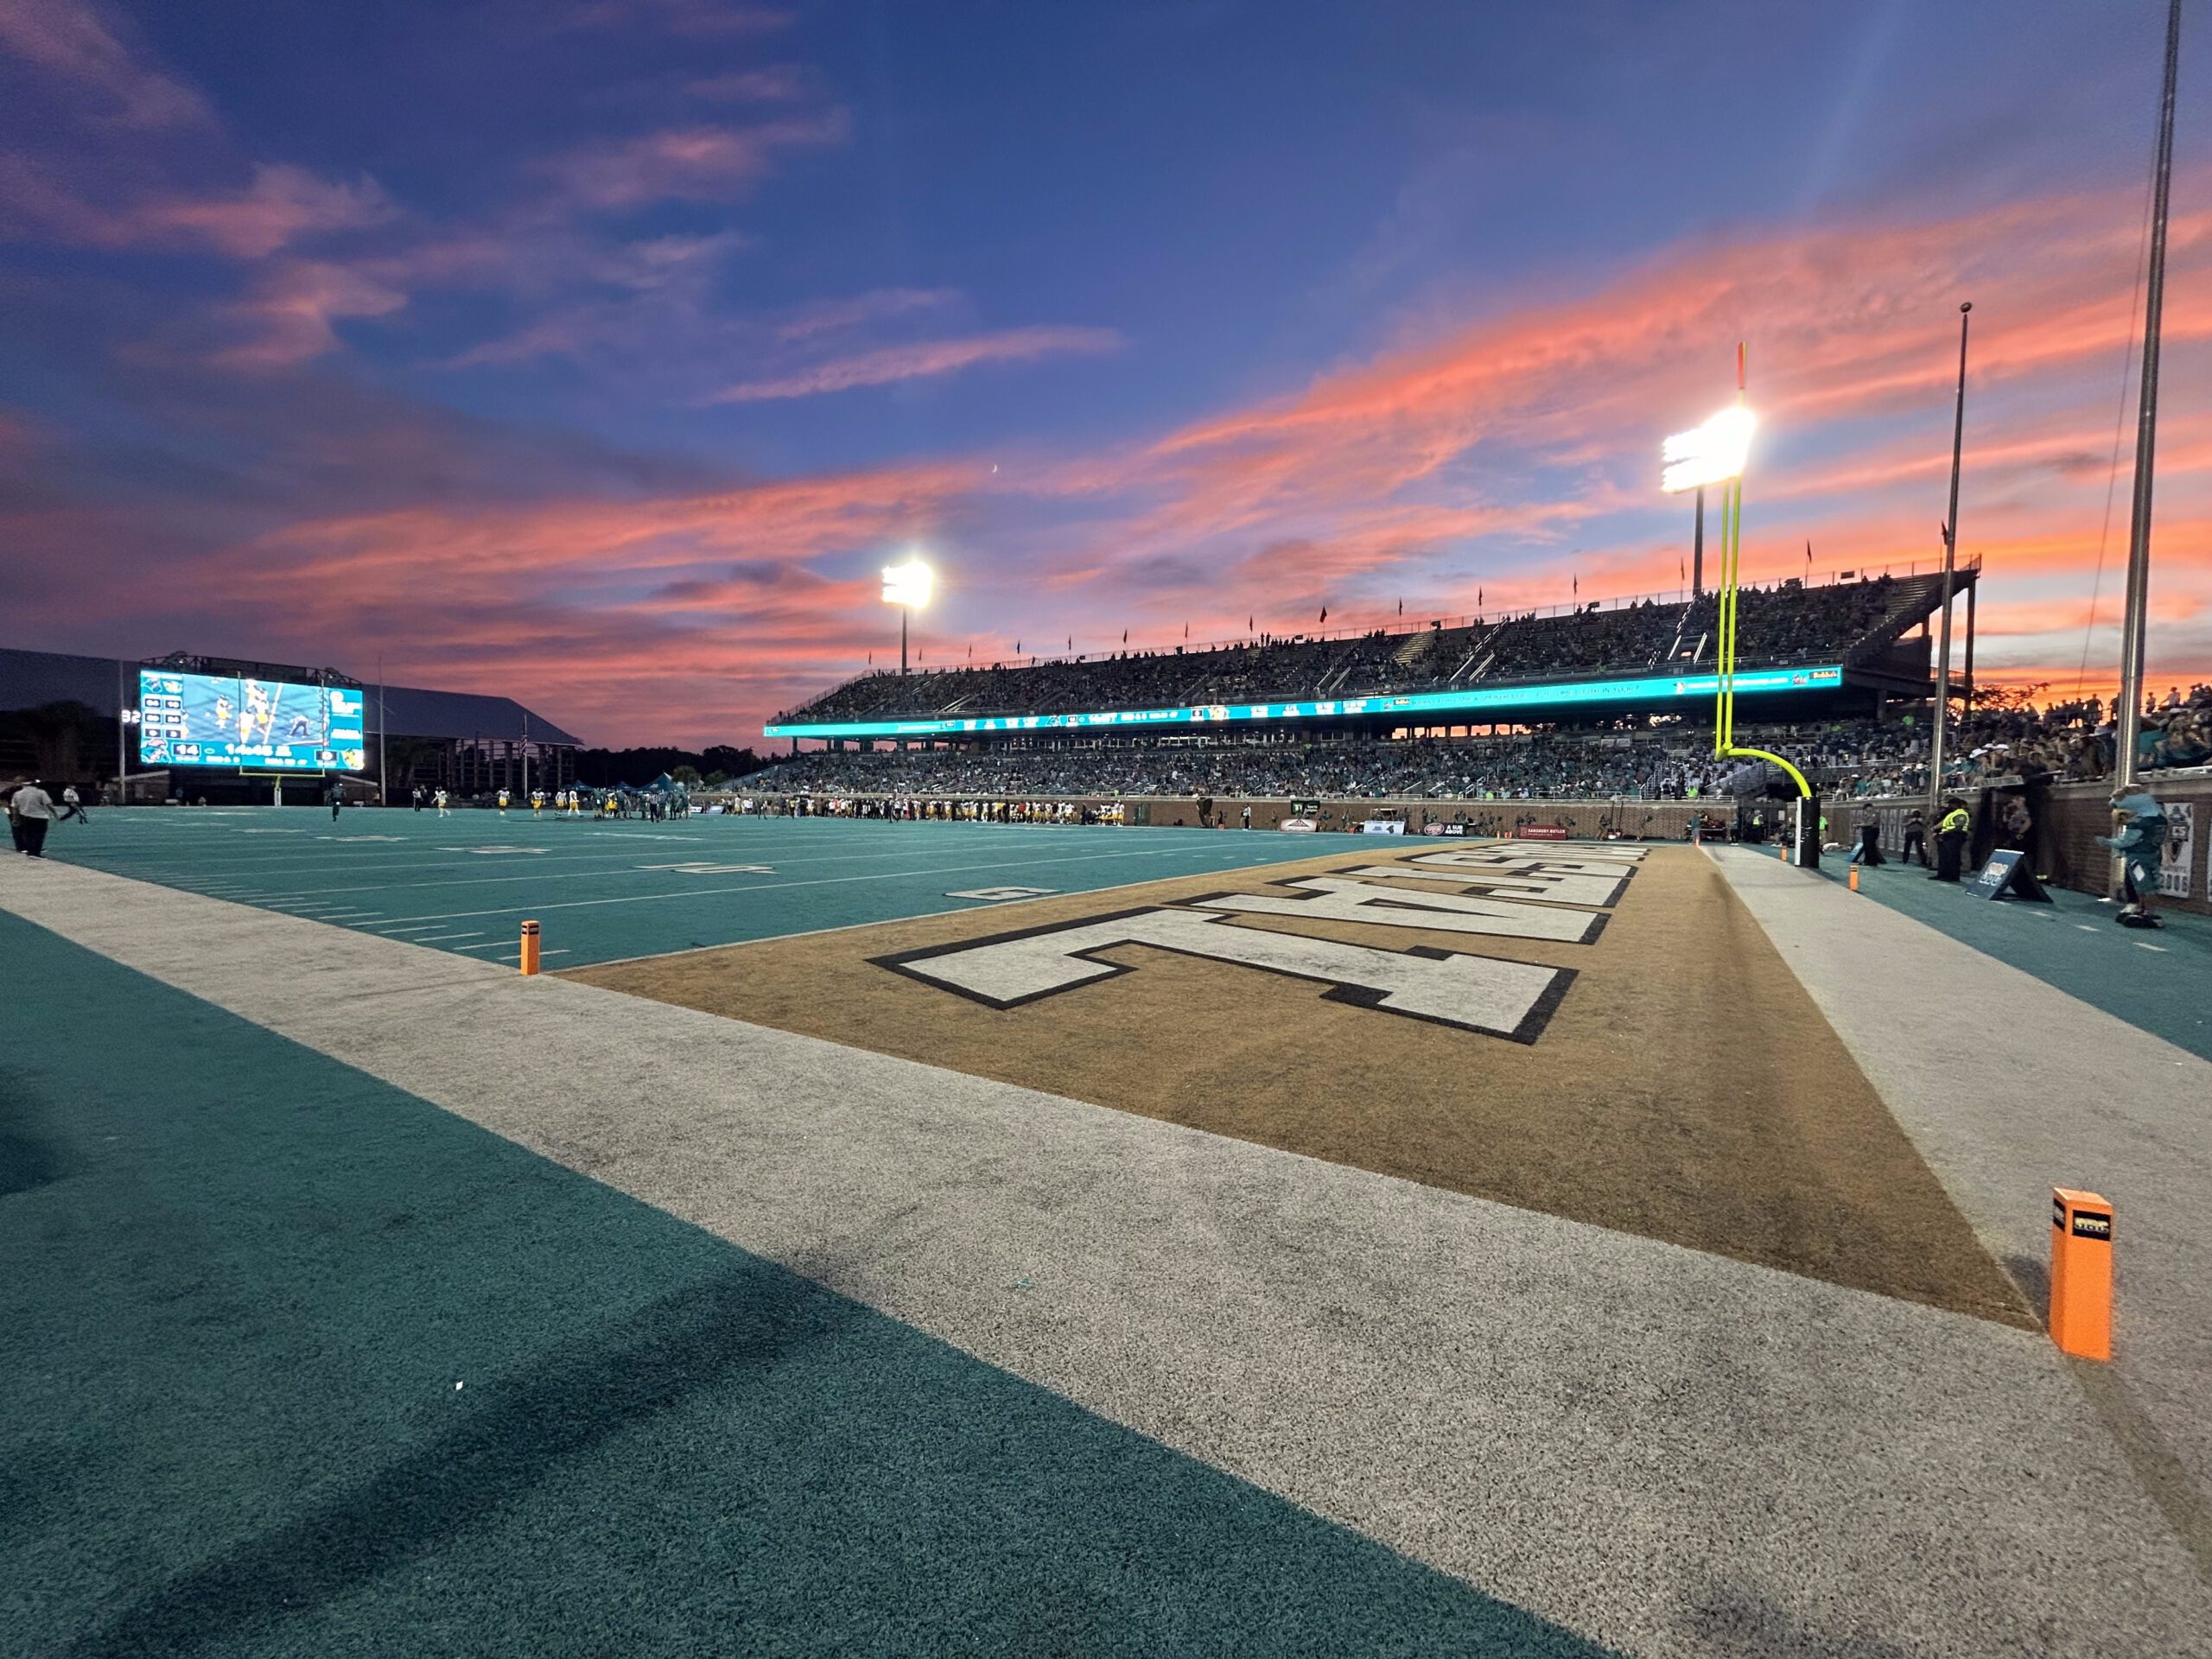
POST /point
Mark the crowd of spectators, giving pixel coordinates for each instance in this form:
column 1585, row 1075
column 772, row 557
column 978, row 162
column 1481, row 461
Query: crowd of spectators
column 1789, row 623
column 2067, row 740
column 2070, row 741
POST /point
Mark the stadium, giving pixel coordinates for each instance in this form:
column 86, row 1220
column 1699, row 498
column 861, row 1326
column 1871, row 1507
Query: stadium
column 1315, row 1227
column 1669, row 1124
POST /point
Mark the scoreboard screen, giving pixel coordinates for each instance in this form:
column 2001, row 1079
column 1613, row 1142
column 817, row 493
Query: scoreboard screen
column 206, row 720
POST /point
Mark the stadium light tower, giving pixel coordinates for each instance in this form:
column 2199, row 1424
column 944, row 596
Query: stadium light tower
column 1716, row 454
column 907, row 586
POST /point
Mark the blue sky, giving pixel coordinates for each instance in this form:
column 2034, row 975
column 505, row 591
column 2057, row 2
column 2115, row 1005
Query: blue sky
column 599, row 351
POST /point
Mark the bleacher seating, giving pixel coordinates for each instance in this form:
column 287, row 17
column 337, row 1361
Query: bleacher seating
column 1786, row 624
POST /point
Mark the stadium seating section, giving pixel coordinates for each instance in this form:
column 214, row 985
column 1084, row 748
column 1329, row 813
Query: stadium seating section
column 1787, row 624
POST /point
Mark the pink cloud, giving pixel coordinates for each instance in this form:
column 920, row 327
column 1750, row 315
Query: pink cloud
column 702, row 606
column 922, row 359
column 283, row 204
column 834, row 316
column 68, row 40
column 288, row 318
column 690, row 163
column 1509, row 452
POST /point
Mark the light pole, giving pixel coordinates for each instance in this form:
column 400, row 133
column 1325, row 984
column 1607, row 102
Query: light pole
column 1697, row 548
column 1950, row 563
column 907, row 586
column 2128, row 727
column 1715, row 452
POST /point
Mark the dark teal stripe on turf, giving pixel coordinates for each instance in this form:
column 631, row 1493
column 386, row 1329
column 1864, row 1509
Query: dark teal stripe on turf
column 2072, row 943
column 241, row 1280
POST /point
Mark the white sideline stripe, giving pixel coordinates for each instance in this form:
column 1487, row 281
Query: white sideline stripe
column 2090, row 1100
column 432, row 938
column 1646, row 1444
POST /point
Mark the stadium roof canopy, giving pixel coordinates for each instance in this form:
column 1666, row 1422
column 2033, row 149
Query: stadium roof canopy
column 32, row 679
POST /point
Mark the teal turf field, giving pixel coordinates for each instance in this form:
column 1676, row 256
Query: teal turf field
column 297, row 1364
column 2155, row 980
column 604, row 891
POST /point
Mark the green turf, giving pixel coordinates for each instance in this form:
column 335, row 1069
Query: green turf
column 241, row 1281
column 604, row 891
column 2159, row 981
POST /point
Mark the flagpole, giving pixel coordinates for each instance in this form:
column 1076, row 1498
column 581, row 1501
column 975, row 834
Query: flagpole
column 1950, row 563
column 2135, row 616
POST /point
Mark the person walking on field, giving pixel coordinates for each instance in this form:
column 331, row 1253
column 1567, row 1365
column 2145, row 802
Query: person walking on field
column 337, row 800
column 34, row 812
column 73, row 806
column 441, row 805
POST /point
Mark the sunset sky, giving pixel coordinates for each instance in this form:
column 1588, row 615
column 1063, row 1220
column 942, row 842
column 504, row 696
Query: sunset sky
column 600, row 351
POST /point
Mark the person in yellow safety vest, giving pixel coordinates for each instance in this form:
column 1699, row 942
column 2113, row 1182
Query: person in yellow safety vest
column 1951, row 832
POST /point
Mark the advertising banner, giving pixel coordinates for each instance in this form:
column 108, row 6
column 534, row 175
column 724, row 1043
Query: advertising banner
column 2177, row 874
column 1539, row 832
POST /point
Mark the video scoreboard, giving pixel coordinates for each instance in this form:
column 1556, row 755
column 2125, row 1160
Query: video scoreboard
column 207, row 719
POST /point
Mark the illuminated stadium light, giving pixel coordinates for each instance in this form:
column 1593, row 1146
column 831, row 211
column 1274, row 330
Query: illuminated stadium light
column 1712, row 454
column 908, row 584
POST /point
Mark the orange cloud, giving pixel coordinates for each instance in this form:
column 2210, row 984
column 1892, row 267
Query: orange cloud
column 1508, row 455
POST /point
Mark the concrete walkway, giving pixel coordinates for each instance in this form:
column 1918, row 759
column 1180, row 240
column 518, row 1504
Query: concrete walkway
column 1665, row 1451
column 2009, row 1087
